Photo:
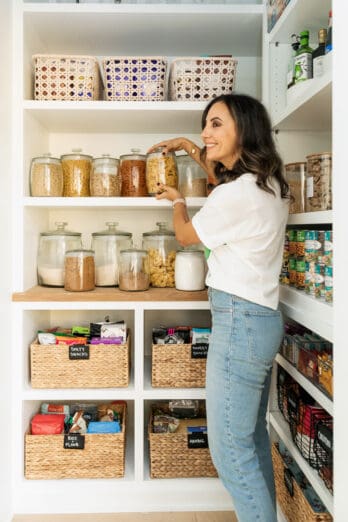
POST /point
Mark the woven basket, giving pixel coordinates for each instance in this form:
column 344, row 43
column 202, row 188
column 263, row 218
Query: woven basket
column 296, row 508
column 200, row 79
column 102, row 457
column 173, row 367
column 134, row 78
column 107, row 367
column 65, row 77
column 170, row 456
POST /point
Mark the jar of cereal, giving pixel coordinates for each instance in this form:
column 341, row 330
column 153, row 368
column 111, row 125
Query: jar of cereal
column 161, row 246
column 46, row 177
column 76, row 173
column 192, row 178
column 133, row 174
column 160, row 169
column 105, row 177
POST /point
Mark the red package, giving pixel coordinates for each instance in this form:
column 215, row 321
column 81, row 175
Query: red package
column 45, row 424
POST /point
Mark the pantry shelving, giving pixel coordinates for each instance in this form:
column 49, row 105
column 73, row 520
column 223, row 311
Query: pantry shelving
column 117, row 203
column 311, row 218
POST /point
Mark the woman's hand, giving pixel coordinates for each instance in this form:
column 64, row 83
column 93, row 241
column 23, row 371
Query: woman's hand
column 173, row 144
column 166, row 192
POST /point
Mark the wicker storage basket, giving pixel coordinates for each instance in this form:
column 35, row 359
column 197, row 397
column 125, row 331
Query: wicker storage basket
column 107, row 367
column 174, row 367
column 102, row 457
column 195, row 79
column 134, row 78
column 65, row 77
column 170, row 456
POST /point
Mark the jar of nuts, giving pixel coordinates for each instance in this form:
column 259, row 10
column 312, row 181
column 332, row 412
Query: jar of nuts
column 105, row 177
column 46, row 177
column 133, row 174
column 79, row 270
column 134, row 270
column 192, row 178
column 76, row 173
column 160, row 168
column 161, row 246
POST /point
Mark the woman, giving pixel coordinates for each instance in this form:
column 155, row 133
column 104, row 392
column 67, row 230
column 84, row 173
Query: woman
column 242, row 223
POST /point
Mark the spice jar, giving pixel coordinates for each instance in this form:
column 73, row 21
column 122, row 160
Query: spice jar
column 318, row 182
column 51, row 253
column 192, row 178
column 134, row 270
column 295, row 176
column 46, row 177
column 161, row 246
column 79, row 270
column 76, row 174
column 133, row 174
column 107, row 245
column 160, row 169
column 105, row 178
column 190, row 269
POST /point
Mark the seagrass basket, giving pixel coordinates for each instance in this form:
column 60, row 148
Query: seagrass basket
column 107, row 367
column 174, row 367
column 171, row 456
column 103, row 455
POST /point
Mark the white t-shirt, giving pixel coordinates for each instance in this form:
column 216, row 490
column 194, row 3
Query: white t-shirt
column 244, row 228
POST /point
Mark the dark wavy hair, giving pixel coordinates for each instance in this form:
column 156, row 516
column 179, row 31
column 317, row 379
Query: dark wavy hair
column 258, row 154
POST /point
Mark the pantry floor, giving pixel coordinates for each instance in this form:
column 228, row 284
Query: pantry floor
column 206, row 516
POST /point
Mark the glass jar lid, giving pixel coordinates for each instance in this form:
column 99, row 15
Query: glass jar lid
column 46, row 158
column 135, row 155
column 111, row 230
column 76, row 155
column 60, row 231
column 105, row 160
column 162, row 230
column 159, row 150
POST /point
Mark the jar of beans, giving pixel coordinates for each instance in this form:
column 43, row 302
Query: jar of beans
column 79, row 270
column 105, row 177
column 133, row 174
column 76, row 173
column 318, row 182
column 46, row 177
column 192, row 178
column 160, row 168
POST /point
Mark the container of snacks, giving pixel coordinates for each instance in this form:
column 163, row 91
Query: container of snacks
column 46, row 177
column 192, row 178
column 53, row 245
column 79, row 270
column 133, row 174
column 318, row 182
column 160, row 168
column 161, row 246
column 105, row 180
column 134, row 273
column 107, row 245
column 190, row 270
column 76, row 174
column 295, row 176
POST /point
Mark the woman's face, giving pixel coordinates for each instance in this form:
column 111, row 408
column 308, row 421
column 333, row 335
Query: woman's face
column 220, row 135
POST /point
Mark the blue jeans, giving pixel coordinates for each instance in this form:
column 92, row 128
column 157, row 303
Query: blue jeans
column 245, row 339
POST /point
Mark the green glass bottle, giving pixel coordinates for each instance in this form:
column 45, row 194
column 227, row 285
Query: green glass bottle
column 303, row 62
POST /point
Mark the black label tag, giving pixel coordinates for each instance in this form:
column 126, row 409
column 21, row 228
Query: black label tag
column 74, row 441
column 325, row 437
column 197, row 440
column 78, row 351
column 199, row 350
column 288, row 481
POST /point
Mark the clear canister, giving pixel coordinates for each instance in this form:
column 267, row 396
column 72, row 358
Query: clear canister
column 161, row 246
column 190, row 270
column 295, row 176
column 318, row 182
column 107, row 245
column 79, row 270
column 160, row 168
column 134, row 270
column 76, row 173
column 192, row 178
column 105, row 178
column 133, row 174
column 53, row 245
column 46, row 177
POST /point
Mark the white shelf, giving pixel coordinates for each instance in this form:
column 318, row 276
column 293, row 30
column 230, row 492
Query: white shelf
column 311, row 218
column 100, row 203
column 315, row 392
column 279, row 424
column 307, row 310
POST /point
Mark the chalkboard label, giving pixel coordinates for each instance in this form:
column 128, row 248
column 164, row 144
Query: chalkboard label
column 288, row 481
column 78, row 351
column 74, row 441
column 197, row 437
column 199, row 350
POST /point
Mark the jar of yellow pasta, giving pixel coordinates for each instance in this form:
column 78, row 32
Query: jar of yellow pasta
column 76, row 174
column 160, row 168
column 161, row 246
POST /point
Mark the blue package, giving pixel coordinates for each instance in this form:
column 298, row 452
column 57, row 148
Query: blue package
column 104, row 427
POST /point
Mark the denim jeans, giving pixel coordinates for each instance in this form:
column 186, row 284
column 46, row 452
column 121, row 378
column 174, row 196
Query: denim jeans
column 245, row 339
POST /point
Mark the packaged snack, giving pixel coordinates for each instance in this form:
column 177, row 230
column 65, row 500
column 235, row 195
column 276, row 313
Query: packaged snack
column 46, row 338
column 164, row 423
column 184, row 408
column 104, row 427
column 106, row 340
column 68, row 341
column 114, row 330
column 79, row 424
column 44, row 424
column 56, row 409
column 201, row 335
column 90, row 411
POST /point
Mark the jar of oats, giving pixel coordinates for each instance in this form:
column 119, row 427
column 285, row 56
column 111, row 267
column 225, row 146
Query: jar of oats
column 79, row 270
column 46, row 177
column 318, row 182
column 192, row 178
column 105, row 177
column 76, row 174
column 133, row 174
column 161, row 246
column 134, row 270
column 160, row 168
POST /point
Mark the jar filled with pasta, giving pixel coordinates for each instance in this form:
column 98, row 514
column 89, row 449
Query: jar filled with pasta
column 318, row 182
column 133, row 174
column 161, row 246
column 76, row 174
column 105, row 177
column 160, row 168
column 192, row 178
column 46, row 177
column 295, row 176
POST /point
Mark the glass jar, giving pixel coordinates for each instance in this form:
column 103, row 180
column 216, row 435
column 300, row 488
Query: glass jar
column 295, row 176
column 160, row 169
column 76, row 173
column 46, row 177
column 192, row 178
column 161, row 246
column 51, row 253
column 318, row 182
column 105, row 177
column 79, row 270
column 133, row 174
column 107, row 245
column 190, row 270
column 134, row 270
